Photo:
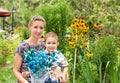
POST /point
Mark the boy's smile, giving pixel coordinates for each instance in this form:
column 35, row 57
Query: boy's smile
column 51, row 44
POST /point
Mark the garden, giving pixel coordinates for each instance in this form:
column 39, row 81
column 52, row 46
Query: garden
column 88, row 30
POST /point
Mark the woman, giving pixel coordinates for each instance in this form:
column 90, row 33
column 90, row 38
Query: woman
column 36, row 27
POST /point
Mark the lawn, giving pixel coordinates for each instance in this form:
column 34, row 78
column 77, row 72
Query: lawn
column 6, row 72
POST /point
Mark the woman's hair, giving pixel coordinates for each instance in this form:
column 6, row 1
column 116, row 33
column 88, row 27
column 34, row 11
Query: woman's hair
column 51, row 34
column 36, row 18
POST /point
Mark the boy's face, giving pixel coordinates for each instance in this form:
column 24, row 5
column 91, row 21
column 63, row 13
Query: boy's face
column 51, row 44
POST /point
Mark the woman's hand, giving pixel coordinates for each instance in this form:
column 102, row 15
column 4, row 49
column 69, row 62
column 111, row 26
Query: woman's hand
column 25, row 74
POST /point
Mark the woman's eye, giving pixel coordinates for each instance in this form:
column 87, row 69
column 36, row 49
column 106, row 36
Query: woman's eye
column 41, row 28
column 35, row 27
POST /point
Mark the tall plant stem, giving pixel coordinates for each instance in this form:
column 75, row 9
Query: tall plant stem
column 100, row 67
column 74, row 65
column 75, row 61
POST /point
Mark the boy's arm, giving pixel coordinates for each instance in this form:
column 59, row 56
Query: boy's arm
column 64, row 66
column 58, row 72
column 65, row 74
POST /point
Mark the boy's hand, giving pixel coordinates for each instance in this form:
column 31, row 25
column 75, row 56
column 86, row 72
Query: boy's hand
column 25, row 74
column 65, row 79
column 65, row 74
column 58, row 73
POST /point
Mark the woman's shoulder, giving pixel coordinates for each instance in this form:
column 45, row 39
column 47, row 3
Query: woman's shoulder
column 23, row 45
column 21, row 48
column 41, row 44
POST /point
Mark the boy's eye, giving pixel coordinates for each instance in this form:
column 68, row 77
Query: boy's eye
column 54, row 43
column 49, row 43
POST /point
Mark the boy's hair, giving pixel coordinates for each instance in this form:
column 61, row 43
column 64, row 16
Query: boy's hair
column 51, row 34
column 36, row 18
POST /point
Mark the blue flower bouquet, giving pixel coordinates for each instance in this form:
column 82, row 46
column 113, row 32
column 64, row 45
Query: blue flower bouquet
column 39, row 64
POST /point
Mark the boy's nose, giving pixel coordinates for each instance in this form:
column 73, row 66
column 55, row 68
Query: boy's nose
column 38, row 30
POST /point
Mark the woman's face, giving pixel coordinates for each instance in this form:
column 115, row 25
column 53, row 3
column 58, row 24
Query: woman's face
column 37, row 29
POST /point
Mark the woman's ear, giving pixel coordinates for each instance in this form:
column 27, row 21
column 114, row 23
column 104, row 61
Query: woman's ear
column 29, row 27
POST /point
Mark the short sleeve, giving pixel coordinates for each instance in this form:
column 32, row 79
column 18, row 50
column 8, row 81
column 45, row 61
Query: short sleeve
column 20, row 50
column 62, row 60
column 42, row 46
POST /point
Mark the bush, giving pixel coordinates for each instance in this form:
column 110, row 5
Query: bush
column 4, row 52
column 58, row 17
column 105, row 55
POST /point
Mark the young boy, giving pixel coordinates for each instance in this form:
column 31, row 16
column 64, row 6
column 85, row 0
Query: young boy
column 58, row 72
column 60, row 67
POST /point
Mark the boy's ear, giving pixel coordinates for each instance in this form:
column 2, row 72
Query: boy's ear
column 44, row 43
column 58, row 43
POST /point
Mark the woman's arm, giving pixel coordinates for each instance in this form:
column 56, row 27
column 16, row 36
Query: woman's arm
column 16, row 69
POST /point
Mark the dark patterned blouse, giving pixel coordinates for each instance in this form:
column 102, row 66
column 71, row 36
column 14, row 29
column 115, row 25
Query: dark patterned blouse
column 20, row 50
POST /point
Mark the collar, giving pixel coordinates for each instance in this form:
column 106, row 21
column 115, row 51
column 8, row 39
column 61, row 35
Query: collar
column 55, row 52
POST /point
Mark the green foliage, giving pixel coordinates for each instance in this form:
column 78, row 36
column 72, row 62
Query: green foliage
column 85, row 73
column 58, row 15
column 57, row 18
column 7, row 48
column 24, row 33
column 105, row 49
column 4, row 52
column 2, row 34
column 6, row 74
column 103, row 12
column 104, row 54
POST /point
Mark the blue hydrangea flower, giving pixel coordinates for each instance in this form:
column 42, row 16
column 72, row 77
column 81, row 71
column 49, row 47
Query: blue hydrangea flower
column 39, row 62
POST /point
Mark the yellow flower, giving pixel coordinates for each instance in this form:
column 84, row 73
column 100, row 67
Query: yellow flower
column 82, row 24
column 76, row 19
column 79, row 29
column 89, row 54
column 72, row 44
column 83, row 45
column 16, row 30
column 42, row 38
column 83, row 37
column 74, row 24
column 96, row 25
column 82, row 20
column 85, row 28
column 74, row 36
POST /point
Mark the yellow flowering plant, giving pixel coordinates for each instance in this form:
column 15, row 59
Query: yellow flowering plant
column 80, row 43
column 88, row 55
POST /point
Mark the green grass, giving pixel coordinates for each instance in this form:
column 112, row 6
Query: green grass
column 6, row 71
column 6, row 75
